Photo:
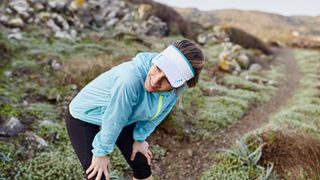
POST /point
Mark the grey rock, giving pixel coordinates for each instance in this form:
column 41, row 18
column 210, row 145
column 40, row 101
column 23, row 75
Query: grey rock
column 11, row 127
column 57, row 5
column 60, row 21
column 25, row 103
column 20, row 6
column 67, row 22
column 52, row 25
column 4, row 19
column 154, row 27
column 55, row 65
column 62, row 35
column 255, row 67
column 112, row 22
column 16, row 22
column 202, row 39
column 9, row 11
column 38, row 6
column 15, row 34
column 243, row 61
column 8, row 73
column 46, row 122
column 34, row 140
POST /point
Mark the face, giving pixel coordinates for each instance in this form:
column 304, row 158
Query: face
column 156, row 80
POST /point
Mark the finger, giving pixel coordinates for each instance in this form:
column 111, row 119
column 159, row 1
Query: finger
column 150, row 153
column 148, row 158
column 89, row 169
column 99, row 175
column 94, row 172
column 106, row 174
column 133, row 155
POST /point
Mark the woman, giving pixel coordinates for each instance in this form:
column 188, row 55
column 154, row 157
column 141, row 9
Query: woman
column 124, row 105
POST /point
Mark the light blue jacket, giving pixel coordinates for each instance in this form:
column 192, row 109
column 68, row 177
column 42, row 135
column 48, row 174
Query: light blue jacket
column 117, row 98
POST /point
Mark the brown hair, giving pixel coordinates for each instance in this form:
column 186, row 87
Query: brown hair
column 194, row 55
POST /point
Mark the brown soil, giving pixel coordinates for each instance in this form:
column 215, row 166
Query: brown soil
column 289, row 152
column 187, row 160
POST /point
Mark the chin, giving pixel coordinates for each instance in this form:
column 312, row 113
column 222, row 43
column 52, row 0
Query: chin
column 148, row 88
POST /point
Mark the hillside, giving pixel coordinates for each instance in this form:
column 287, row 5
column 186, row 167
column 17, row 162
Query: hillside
column 253, row 114
column 264, row 25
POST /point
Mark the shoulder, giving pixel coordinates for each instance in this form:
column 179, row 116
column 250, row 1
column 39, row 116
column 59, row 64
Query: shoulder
column 145, row 58
column 128, row 80
column 146, row 55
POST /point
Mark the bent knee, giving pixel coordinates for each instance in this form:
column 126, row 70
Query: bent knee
column 140, row 167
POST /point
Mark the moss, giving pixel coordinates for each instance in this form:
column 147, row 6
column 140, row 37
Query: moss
column 6, row 159
column 240, row 82
column 234, row 93
column 272, row 137
column 50, row 165
column 7, row 110
column 118, row 162
column 25, row 67
column 220, row 112
column 158, row 151
column 8, row 47
column 43, row 111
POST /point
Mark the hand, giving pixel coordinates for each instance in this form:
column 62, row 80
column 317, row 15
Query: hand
column 99, row 164
column 142, row 147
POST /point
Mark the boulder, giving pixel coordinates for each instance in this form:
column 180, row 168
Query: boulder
column 10, row 127
column 144, row 11
column 16, row 22
column 243, row 61
column 21, row 7
column 15, row 34
column 255, row 67
column 34, row 140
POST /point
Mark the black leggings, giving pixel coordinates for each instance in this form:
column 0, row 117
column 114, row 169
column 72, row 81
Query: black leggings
column 82, row 134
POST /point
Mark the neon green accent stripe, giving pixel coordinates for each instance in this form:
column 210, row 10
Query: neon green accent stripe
column 159, row 108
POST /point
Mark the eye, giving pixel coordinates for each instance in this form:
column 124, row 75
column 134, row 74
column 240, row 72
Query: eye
column 166, row 80
column 158, row 68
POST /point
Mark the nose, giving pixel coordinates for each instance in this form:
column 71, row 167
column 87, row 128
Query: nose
column 158, row 77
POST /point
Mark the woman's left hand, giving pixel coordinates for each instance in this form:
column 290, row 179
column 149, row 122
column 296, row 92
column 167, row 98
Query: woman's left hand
column 142, row 147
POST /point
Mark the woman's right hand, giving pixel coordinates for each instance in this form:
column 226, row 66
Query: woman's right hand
column 99, row 164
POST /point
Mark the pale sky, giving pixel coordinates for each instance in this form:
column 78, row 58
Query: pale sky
column 283, row 7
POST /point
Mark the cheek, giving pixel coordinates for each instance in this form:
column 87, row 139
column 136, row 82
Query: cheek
column 167, row 87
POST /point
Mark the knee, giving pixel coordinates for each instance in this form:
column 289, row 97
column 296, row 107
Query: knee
column 140, row 167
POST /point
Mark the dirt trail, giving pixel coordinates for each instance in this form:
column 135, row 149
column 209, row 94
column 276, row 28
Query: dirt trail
column 188, row 160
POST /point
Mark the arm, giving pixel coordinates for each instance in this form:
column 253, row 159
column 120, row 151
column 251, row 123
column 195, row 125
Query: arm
column 144, row 128
column 123, row 97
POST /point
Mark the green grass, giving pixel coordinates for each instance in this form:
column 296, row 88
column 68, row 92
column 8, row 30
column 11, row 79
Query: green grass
column 303, row 110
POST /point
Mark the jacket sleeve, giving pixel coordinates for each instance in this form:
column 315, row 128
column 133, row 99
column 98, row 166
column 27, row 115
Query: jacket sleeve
column 124, row 95
column 144, row 128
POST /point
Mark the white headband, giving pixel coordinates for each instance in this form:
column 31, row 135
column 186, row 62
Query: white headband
column 174, row 65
